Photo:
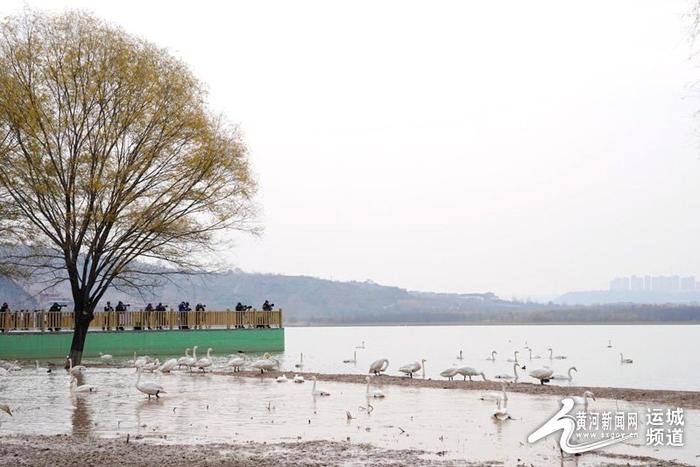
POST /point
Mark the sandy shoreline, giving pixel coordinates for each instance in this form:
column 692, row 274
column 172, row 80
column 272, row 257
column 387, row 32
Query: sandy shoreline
column 684, row 399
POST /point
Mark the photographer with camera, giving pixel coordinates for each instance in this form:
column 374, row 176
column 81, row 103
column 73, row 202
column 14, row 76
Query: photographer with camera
column 54, row 317
column 199, row 319
column 160, row 315
column 4, row 312
column 121, row 315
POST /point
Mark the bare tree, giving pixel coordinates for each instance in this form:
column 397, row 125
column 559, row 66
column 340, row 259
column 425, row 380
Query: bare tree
column 108, row 155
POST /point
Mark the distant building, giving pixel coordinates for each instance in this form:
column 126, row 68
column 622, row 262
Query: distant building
column 620, row 283
column 647, row 282
column 636, row 283
column 687, row 283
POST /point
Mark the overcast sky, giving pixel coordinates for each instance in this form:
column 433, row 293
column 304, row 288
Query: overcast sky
column 527, row 147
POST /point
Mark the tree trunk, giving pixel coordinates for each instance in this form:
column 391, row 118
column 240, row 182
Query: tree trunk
column 82, row 323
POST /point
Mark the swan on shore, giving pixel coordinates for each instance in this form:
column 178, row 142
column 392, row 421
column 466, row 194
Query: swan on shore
column 354, row 358
column 542, row 374
column 301, row 361
column 379, row 366
column 6, row 408
column 318, row 392
column 492, row 358
column 578, row 400
column 450, row 373
column 567, row 377
column 413, row 367
column 204, row 362
column 236, row 363
column 555, row 357
column 468, row 371
column 267, row 363
column 298, row 379
column 82, row 388
column 514, row 359
column 514, row 376
column 168, row 365
column 625, row 360
column 150, row 366
column 105, row 357
column 373, row 392
column 75, row 370
column 150, row 389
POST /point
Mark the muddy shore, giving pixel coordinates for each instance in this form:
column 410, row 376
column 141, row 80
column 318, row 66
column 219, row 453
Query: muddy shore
column 685, row 399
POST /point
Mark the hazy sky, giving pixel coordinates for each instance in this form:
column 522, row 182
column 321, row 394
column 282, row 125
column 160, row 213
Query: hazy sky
column 523, row 147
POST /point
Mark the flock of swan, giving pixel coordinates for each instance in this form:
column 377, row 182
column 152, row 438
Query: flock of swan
column 266, row 363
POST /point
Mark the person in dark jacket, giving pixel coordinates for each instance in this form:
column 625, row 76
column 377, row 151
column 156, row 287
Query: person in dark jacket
column 147, row 314
column 160, row 315
column 4, row 313
column 121, row 315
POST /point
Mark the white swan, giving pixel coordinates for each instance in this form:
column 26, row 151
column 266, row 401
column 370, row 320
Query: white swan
column 492, row 358
column 468, row 371
column 298, row 379
column 204, row 362
column 267, row 363
column 450, row 373
column 75, row 370
column 4, row 372
column 105, row 357
column 536, row 357
column 373, row 392
column 186, row 360
column 82, row 388
column 301, row 361
column 361, row 346
column 567, row 377
column 625, row 360
column 542, row 374
column 514, row 376
column 150, row 389
column 609, row 344
column 318, row 392
column 236, row 363
column 578, row 400
column 514, row 359
column 460, row 356
column 555, row 357
column 282, row 379
column 501, row 412
column 150, row 366
column 6, row 408
column 354, row 358
column 168, row 365
column 379, row 366
column 413, row 367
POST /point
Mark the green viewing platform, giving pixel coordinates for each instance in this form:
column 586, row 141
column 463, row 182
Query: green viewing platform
column 39, row 334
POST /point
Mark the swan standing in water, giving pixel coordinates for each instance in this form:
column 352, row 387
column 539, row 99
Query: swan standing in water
column 468, row 371
column 301, row 361
column 567, row 377
column 82, row 388
column 185, row 361
column 236, row 363
column 75, row 370
column 578, row 400
column 168, row 366
column 282, row 379
column 555, row 357
column 318, row 392
column 450, row 373
column 150, row 366
column 413, row 367
column 492, row 358
column 150, row 389
column 373, row 392
column 493, row 395
column 379, row 366
column 6, row 408
column 267, row 363
column 542, row 374
column 625, row 360
column 514, row 376
column 536, row 357
column 354, row 358
column 361, row 346
column 204, row 362
column 514, row 359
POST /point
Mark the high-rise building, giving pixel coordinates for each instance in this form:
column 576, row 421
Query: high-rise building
column 687, row 283
column 636, row 283
column 620, row 283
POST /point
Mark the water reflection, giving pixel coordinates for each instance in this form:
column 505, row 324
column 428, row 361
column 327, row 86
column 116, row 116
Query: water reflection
column 81, row 419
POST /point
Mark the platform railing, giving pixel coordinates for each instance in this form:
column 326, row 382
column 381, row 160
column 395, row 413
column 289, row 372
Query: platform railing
column 51, row 321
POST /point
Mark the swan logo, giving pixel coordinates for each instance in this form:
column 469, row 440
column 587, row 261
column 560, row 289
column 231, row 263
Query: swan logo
column 567, row 424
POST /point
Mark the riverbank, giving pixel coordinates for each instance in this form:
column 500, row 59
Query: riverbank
column 684, row 399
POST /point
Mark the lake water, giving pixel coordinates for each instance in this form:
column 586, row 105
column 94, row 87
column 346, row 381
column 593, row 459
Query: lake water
column 665, row 357
column 205, row 408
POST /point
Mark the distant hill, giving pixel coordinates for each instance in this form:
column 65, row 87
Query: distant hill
column 15, row 295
